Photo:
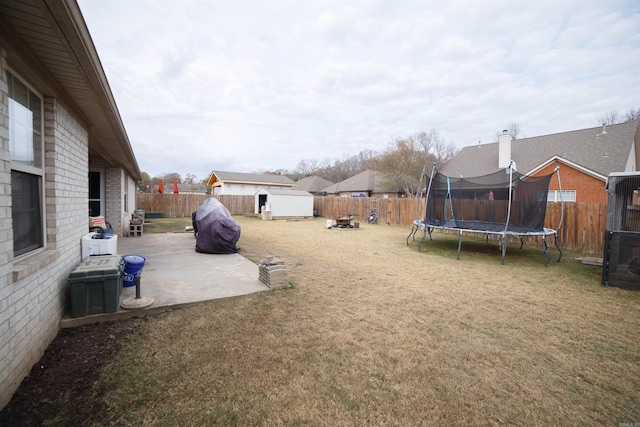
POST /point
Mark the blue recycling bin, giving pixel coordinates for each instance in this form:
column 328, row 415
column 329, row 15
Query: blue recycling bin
column 133, row 265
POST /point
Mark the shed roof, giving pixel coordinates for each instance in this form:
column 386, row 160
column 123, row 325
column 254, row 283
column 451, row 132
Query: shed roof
column 284, row 192
column 598, row 150
column 218, row 177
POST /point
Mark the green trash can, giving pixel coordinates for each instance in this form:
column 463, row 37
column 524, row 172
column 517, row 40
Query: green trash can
column 96, row 285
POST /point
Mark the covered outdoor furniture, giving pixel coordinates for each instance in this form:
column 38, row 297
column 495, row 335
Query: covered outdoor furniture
column 217, row 231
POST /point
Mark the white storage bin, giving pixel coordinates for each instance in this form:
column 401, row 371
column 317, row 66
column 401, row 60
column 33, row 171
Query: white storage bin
column 106, row 246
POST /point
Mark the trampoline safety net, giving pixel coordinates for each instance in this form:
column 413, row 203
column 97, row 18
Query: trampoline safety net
column 482, row 203
column 503, row 203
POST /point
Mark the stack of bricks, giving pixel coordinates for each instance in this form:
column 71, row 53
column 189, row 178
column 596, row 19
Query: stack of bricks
column 273, row 273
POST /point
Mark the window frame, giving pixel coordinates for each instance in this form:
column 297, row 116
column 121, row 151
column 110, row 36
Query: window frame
column 37, row 171
column 101, row 199
column 565, row 196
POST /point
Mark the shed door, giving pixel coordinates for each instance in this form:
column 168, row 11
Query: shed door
column 262, row 200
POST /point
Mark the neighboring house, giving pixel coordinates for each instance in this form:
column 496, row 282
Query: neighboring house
column 585, row 157
column 244, row 184
column 284, row 203
column 64, row 152
column 314, row 185
column 365, row 184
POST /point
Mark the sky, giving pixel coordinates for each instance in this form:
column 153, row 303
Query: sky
column 251, row 86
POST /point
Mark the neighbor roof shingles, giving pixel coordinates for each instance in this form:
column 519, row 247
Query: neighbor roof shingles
column 591, row 149
column 313, row 183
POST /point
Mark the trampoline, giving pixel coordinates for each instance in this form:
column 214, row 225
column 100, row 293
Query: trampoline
column 505, row 203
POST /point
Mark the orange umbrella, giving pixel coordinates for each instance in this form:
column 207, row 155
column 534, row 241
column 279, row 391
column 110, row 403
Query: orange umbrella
column 160, row 186
column 175, row 187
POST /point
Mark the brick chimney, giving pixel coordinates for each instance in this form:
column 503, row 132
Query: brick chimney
column 504, row 149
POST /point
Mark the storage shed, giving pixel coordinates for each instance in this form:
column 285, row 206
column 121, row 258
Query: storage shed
column 285, row 203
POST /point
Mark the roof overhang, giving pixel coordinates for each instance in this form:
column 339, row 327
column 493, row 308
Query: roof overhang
column 630, row 177
column 48, row 43
column 275, row 184
column 283, row 192
column 215, row 181
column 568, row 163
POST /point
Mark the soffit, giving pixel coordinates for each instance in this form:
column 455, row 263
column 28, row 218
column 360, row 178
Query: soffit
column 50, row 40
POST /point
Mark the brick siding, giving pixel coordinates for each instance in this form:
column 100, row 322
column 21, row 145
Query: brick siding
column 588, row 188
column 34, row 288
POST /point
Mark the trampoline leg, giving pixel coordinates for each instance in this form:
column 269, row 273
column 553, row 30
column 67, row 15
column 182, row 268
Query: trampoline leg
column 424, row 236
column 412, row 232
column 459, row 243
column 546, row 253
column 558, row 247
column 430, row 230
column 504, row 247
column 521, row 243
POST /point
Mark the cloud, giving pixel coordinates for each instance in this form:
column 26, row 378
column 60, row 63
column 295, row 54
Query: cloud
column 261, row 85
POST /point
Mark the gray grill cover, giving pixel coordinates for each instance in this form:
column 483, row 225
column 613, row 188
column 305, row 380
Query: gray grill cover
column 218, row 232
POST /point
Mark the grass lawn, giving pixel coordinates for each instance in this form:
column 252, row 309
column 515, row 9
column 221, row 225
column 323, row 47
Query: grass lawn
column 166, row 225
column 373, row 332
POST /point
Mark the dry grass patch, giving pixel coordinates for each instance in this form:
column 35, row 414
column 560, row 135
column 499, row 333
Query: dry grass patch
column 374, row 332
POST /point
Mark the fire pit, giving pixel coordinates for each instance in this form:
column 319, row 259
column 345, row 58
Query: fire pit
column 346, row 222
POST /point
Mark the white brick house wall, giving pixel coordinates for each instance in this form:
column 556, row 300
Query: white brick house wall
column 114, row 202
column 81, row 128
column 34, row 288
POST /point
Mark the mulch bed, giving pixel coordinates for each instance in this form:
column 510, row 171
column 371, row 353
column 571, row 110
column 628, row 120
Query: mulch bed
column 61, row 386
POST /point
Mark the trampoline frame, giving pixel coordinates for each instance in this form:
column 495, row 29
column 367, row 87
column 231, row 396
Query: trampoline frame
column 488, row 228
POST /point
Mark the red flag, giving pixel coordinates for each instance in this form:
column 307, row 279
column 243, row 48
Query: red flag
column 160, row 186
column 175, row 187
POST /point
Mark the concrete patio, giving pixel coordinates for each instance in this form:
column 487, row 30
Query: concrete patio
column 175, row 275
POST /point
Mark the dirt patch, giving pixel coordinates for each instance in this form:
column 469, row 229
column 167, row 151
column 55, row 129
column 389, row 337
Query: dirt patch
column 66, row 376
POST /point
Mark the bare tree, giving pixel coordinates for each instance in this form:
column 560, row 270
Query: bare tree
column 512, row 129
column 411, row 153
column 362, row 161
column 632, row 115
column 144, row 185
column 339, row 170
column 270, row 171
column 433, row 145
column 171, row 177
column 306, row 167
column 405, row 158
column 610, row 118
column 400, row 163
column 190, row 179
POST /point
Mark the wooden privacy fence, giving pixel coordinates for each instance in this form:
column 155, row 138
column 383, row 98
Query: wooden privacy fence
column 182, row 205
column 582, row 228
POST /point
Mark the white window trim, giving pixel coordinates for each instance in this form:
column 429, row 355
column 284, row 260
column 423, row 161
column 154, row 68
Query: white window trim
column 21, row 167
column 567, row 196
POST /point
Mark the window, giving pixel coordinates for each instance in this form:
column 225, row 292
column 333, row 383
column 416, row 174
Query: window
column 126, row 190
column 96, row 194
column 26, row 143
column 567, row 196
